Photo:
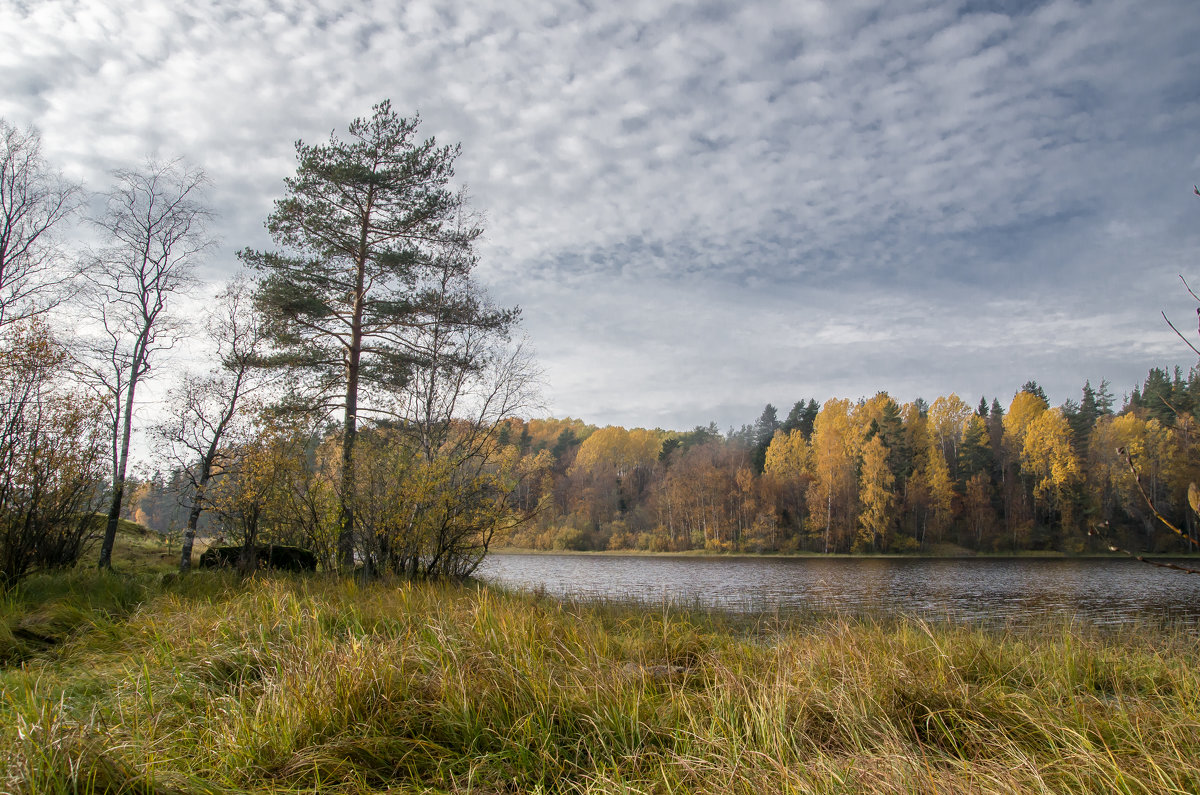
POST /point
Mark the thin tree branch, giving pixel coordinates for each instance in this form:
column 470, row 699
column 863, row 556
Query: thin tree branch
column 1137, row 479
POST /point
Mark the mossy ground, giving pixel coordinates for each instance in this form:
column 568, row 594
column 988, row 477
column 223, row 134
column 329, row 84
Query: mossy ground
column 283, row 684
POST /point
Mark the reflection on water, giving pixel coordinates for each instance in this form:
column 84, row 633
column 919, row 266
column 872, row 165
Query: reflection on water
column 992, row 590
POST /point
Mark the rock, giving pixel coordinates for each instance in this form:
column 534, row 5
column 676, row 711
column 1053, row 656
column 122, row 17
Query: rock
column 266, row 556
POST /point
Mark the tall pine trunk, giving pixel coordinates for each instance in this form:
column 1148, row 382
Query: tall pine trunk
column 345, row 543
column 350, row 428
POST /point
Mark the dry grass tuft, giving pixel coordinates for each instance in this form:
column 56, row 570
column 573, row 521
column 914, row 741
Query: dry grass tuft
column 280, row 684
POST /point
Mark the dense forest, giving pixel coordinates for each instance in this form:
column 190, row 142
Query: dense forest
column 873, row 476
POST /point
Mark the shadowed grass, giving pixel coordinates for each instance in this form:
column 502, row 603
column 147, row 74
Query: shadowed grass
column 281, row 684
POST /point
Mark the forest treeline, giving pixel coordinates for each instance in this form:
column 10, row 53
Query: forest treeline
column 872, row 476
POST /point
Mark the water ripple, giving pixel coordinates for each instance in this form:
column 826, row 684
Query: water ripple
column 1008, row 591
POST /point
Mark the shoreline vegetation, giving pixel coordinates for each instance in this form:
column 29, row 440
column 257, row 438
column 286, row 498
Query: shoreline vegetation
column 873, row 478
column 145, row 682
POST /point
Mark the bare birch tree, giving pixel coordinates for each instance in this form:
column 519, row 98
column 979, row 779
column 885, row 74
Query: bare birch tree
column 207, row 411
column 33, row 201
column 156, row 227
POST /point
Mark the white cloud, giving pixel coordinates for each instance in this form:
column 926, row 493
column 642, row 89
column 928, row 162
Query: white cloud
column 705, row 206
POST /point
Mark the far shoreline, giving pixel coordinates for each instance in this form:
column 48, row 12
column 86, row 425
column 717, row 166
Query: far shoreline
column 964, row 555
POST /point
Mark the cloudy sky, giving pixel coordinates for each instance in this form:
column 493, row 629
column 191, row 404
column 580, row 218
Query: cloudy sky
column 703, row 207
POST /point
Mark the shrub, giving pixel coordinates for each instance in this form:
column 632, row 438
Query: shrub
column 51, row 458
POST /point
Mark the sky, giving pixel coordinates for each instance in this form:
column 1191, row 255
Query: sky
column 703, row 207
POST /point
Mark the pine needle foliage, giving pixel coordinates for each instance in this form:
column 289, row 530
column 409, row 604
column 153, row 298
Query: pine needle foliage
column 375, row 247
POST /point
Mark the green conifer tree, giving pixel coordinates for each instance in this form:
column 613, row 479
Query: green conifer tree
column 375, row 244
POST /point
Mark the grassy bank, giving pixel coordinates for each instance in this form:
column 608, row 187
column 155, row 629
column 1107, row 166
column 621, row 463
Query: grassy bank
column 207, row 684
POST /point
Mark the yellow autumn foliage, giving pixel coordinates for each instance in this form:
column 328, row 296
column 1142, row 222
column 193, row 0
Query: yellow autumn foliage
column 1047, row 455
column 618, row 450
column 877, row 495
column 788, row 455
column 1024, row 409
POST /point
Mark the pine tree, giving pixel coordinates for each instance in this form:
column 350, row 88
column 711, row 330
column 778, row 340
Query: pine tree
column 1104, row 399
column 900, row 453
column 792, row 421
column 809, row 417
column 801, row 417
column 1083, row 419
column 378, row 251
column 1158, row 396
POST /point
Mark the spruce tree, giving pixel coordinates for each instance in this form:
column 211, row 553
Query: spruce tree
column 1034, row 388
column 1157, row 396
column 764, row 431
column 976, row 449
column 1104, row 399
column 809, row 417
column 792, row 422
column 1084, row 419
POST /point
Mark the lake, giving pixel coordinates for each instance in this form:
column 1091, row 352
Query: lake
column 1012, row 591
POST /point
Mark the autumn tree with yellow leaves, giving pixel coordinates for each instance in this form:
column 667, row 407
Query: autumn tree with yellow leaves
column 878, row 498
column 831, row 496
column 252, row 494
column 788, row 464
column 613, row 467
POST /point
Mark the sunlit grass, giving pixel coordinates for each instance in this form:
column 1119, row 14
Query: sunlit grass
column 137, row 549
column 280, row 684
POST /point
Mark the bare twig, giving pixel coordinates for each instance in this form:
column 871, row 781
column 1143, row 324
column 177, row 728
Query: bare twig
column 1177, row 332
column 1188, row 287
column 1162, row 564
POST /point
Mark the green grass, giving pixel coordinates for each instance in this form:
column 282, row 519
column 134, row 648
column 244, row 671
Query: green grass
column 49, row 608
column 287, row 685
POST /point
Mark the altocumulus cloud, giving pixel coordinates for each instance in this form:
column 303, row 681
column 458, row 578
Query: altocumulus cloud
column 703, row 207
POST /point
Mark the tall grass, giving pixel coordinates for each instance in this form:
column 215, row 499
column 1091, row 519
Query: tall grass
column 281, row 684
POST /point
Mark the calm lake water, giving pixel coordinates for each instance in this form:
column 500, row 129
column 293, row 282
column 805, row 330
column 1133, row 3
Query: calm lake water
column 992, row 590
